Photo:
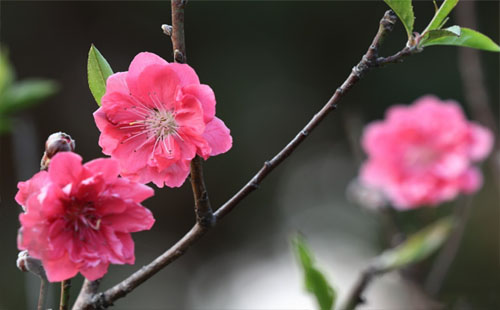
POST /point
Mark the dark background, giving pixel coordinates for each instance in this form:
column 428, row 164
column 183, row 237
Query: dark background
column 272, row 65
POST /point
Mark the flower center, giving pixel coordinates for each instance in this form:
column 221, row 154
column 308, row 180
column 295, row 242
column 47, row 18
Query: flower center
column 161, row 123
column 80, row 215
column 420, row 156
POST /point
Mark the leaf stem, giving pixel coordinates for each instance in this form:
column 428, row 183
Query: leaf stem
column 369, row 60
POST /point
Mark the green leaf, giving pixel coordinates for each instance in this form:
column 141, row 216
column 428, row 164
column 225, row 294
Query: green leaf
column 439, row 18
column 467, row 38
column 98, row 71
column 315, row 282
column 25, row 94
column 453, row 31
column 404, row 10
column 417, row 247
column 6, row 71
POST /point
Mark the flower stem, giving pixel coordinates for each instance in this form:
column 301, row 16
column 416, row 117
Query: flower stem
column 42, row 296
column 65, row 290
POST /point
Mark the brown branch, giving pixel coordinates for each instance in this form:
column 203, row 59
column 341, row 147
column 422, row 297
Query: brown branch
column 203, row 210
column 370, row 60
column 89, row 288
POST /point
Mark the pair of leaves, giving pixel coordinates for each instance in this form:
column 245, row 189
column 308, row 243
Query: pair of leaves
column 315, row 282
column 98, row 71
column 416, row 248
column 16, row 96
column 434, row 34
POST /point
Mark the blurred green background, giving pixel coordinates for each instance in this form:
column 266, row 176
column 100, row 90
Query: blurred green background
column 272, row 65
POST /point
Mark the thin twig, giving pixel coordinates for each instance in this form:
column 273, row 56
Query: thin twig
column 33, row 265
column 65, row 292
column 203, row 210
column 370, row 60
column 356, row 293
column 89, row 288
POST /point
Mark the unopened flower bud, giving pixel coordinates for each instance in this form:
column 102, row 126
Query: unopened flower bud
column 56, row 142
column 21, row 260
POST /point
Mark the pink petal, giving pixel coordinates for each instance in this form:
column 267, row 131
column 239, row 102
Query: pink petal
column 138, row 64
column 127, row 247
column 135, row 218
column 95, row 272
column 218, row 137
column 206, row 97
column 107, row 167
column 125, row 189
column 60, row 269
column 110, row 134
column 65, row 168
column 117, row 83
column 110, row 205
column 134, row 154
column 471, row 180
column 189, row 116
column 123, row 109
column 482, row 142
column 157, row 87
column 185, row 73
column 31, row 187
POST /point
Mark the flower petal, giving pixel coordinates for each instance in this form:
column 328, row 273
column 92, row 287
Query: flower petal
column 482, row 142
column 65, row 168
column 138, row 64
column 218, row 137
column 206, row 96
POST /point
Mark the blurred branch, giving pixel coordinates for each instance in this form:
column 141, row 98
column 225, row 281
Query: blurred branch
column 445, row 258
column 477, row 99
column 369, row 60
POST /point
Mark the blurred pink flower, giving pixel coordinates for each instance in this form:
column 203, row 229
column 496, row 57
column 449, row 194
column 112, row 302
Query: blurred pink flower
column 422, row 154
column 79, row 218
column 156, row 117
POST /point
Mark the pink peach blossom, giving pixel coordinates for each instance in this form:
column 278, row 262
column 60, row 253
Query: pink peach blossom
column 78, row 218
column 422, row 154
column 156, row 118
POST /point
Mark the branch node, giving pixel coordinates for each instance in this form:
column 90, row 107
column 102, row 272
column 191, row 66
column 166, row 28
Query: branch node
column 167, row 29
column 304, row 132
column 340, row 91
column 206, row 220
column 267, row 164
column 178, row 56
column 254, row 185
